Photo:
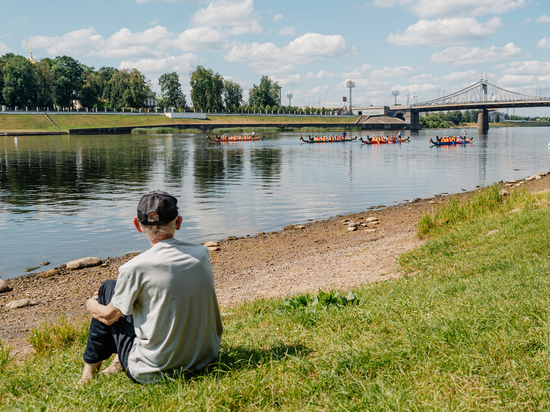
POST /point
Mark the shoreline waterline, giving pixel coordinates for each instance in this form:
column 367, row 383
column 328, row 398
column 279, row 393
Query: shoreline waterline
column 323, row 255
column 434, row 200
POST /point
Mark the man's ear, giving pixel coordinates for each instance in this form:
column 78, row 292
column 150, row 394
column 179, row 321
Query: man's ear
column 136, row 224
column 179, row 219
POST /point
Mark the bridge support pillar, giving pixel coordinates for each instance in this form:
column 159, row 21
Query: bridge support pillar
column 483, row 121
column 415, row 120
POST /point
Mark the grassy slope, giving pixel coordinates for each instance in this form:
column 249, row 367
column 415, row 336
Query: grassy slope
column 15, row 123
column 467, row 330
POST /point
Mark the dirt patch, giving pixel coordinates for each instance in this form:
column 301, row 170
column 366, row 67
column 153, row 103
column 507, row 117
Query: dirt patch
column 317, row 255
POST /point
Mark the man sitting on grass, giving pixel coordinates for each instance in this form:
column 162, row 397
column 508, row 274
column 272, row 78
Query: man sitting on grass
column 161, row 316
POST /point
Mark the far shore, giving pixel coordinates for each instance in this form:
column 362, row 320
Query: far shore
column 83, row 123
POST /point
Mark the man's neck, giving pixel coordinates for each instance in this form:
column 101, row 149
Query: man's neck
column 159, row 239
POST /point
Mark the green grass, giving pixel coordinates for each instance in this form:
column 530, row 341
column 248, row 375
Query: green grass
column 468, row 328
column 487, row 201
column 156, row 130
column 23, row 122
column 54, row 336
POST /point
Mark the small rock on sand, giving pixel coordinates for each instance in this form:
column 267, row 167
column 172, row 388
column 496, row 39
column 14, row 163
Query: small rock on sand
column 84, row 263
column 21, row 303
column 4, row 286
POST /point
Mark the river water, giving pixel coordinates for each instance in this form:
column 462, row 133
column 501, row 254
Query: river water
column 65, row 197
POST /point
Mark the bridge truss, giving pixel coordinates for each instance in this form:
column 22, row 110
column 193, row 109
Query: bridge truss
column 481, row 92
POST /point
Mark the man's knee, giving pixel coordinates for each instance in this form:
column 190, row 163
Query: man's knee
column 106, row 291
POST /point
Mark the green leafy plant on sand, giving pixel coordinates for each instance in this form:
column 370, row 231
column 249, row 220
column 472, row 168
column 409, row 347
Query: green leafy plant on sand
column 486, row 201
column 322, row 299
column 62, row 334
column 5, row 358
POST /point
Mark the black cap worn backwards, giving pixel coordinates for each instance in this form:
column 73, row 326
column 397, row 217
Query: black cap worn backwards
column 157, row 208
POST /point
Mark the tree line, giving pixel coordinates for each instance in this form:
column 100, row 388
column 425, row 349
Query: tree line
column 64, row 82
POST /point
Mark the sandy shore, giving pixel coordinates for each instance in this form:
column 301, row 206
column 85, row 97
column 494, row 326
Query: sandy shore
column 319, row 255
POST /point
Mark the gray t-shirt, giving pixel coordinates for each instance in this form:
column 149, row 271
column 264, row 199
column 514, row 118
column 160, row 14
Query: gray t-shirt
column 169, row 291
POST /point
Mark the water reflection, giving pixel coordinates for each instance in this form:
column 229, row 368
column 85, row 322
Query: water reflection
column 266, row 164
column 61, row 171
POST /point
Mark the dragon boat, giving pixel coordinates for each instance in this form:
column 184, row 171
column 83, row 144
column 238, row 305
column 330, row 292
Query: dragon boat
column 384, row 140
column 327, row 139
column 237, row 138
column 450, row 141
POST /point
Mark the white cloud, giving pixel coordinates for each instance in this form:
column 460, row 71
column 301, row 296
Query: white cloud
column 287, row 31
column 237, row 14
column 460, row 76
column 317, row 46
column 182, row 64
column 454, row 8
column 543, row 43
column 477, row 55
column 359, row 72
column 292, row 79
column 510, row 80
column 88, row 42
column 451, row 31
column 124, row 37
column 277, row 17
column 321, row 74
column 201, row 39
column 72, row 43
column 388, row 72
column 543, row 19
column 525, row 68
column 302, row 50
column 3, row 49
column 423, row 78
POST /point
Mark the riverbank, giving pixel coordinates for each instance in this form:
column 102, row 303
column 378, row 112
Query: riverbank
column 320, row 255
column 13, row 124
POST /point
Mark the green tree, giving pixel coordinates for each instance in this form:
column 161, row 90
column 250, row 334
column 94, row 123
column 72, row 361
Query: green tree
column 90, row 93
column 19, row 83
column 104, row 77
column 265, row 94
column 127, row 89
column 456, row 117
column 67, row 80
column 232, row 95
column 206, row 90
column 44, row 81
column 170, row 89
column 3, row 61
column 138, row 89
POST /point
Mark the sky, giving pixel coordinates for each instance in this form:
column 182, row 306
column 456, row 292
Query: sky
column 420, row 49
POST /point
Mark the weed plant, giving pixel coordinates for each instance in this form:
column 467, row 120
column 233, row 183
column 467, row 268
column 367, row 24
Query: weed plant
column 5, row 358
column 53, row 336
column 488, row 200
column 467, row 328
column 156, row 130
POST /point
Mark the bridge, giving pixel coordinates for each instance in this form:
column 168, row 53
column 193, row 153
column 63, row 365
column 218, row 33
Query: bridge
column 482, row 96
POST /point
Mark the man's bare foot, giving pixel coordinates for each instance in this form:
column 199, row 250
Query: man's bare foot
column 114, row 367
column 90, row 370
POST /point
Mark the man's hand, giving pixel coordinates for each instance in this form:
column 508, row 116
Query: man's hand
column 106, row 314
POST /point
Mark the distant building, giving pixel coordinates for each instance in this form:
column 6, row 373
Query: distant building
column 151, row 100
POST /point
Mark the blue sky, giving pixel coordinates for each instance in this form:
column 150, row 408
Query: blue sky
column 421, row 48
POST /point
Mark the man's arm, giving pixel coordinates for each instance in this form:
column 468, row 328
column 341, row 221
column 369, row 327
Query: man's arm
column 105, row 314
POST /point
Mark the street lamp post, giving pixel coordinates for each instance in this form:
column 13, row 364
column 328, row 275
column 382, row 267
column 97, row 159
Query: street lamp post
column 395, row 94
column 350, row 85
